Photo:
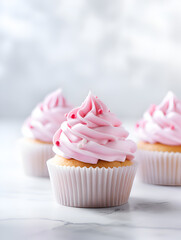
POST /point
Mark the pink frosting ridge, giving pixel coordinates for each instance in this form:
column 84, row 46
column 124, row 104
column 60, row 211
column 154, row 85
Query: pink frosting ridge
column 162, row 123
column 46, row 117
column 91, row 132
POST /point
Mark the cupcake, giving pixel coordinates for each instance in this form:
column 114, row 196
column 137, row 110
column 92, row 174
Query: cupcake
column 159, row 146
column 38, row 130
column 93, row 165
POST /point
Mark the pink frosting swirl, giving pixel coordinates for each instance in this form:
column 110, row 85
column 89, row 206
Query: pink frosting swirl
column 162, row 123
column 92, row 132
column 46, row 117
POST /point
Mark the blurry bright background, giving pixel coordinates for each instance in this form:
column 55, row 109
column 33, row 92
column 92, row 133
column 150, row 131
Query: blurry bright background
column 128, row 52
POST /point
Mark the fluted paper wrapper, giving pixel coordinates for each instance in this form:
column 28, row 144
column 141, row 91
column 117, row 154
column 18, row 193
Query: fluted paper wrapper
column 34, row 156
column 91, row 187
column 162, row 168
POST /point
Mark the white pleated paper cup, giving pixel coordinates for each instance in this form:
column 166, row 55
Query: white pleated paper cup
column 162, row 168
column 34, row 156
column 91, row 187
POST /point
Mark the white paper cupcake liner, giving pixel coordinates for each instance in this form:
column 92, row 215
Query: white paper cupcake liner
column 162, row 168
column 34, row 156
column 91, row 187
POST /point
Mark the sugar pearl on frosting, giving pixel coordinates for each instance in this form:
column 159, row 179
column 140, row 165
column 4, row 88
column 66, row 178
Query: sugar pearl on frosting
column 100, row 111
column 172, row 127
column 57, row 143
column 73, row 116
column 82, row 143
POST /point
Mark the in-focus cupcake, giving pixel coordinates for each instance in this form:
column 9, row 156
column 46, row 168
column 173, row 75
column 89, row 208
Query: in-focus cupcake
column 93, row 164
column 38, row 131
column 159, row 148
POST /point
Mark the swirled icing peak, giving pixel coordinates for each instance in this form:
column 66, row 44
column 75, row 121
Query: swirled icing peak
column 162, row 123
column 91, row 132
column 46, row 117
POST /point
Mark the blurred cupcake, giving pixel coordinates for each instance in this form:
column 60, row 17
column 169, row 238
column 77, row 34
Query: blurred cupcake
column 38, row 131
column 160, row 142
column 93, row 164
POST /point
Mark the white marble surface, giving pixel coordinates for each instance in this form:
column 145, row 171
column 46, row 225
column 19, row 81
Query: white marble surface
column 28, row 210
